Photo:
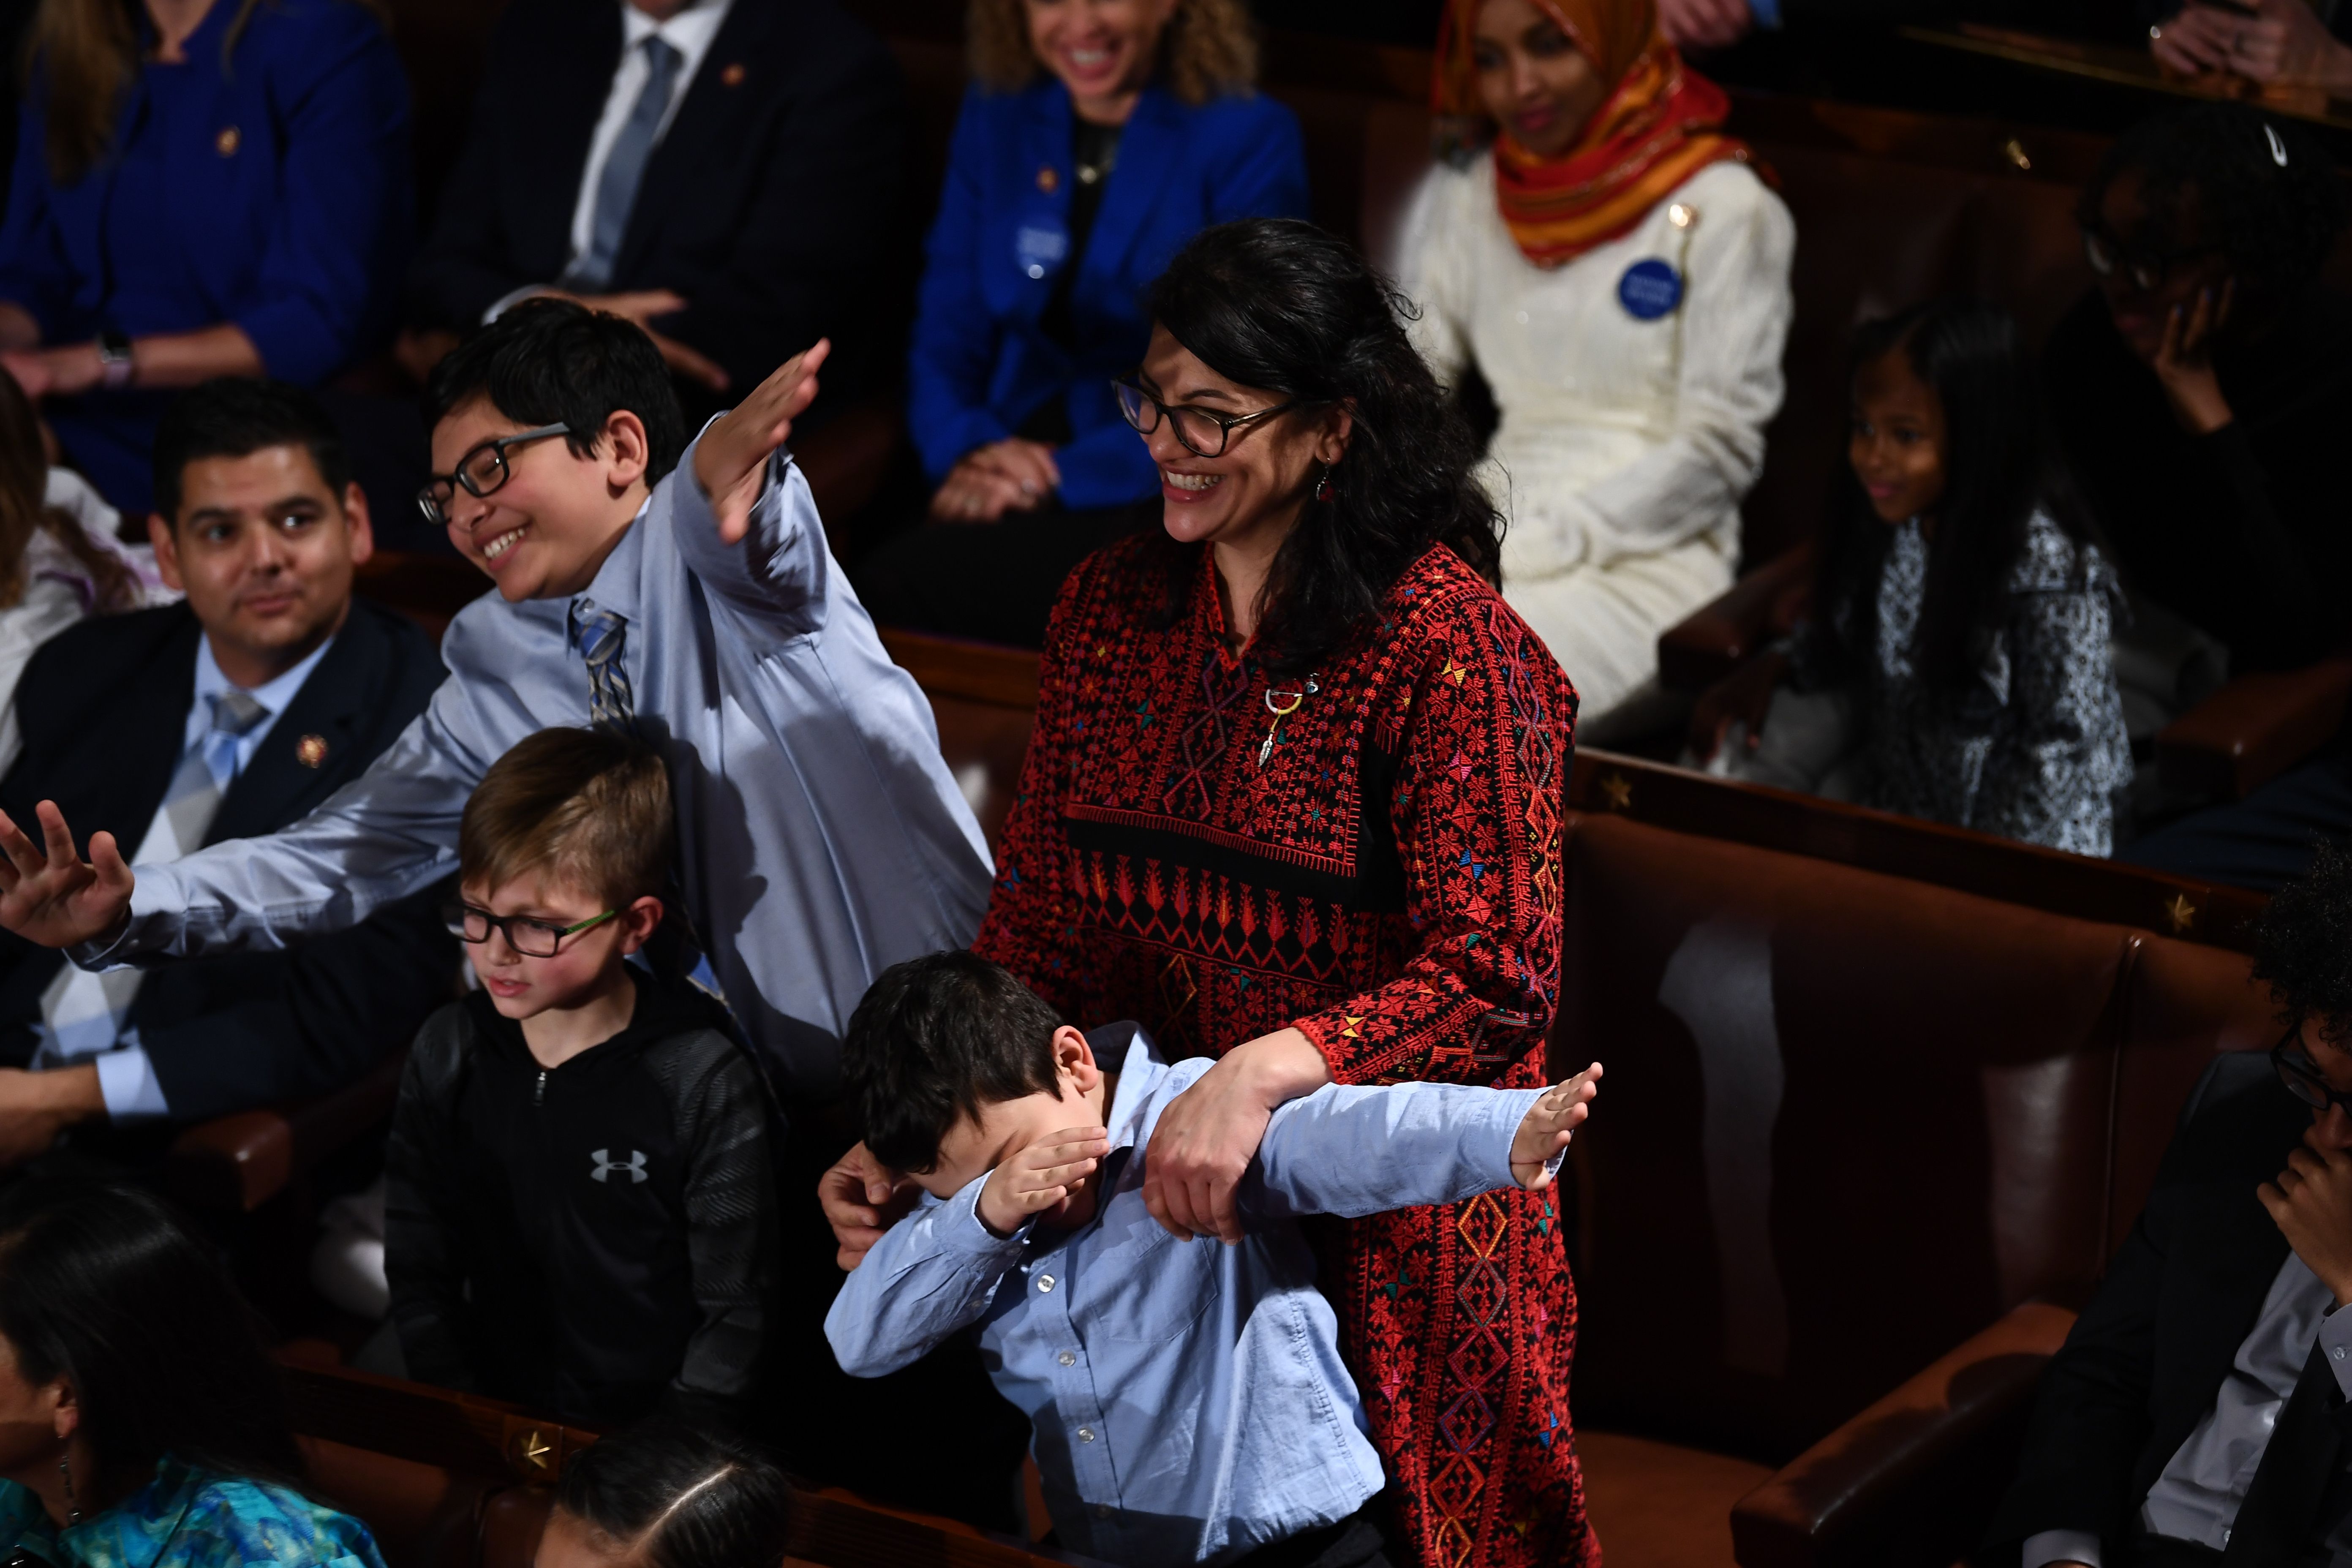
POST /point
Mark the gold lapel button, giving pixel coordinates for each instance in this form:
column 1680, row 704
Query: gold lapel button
column 229, row 140
column 732, row 75
column 1049, row 179
column 310, row 751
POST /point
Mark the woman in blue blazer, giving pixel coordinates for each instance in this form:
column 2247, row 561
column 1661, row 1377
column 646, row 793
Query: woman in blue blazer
column 200, row 190
column 1100, row 136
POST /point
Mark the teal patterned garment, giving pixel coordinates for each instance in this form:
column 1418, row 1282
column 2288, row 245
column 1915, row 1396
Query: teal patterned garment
column 188, row 1518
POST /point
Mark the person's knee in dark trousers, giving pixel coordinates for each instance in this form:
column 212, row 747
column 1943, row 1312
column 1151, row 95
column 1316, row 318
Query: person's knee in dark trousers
column 2262, row 842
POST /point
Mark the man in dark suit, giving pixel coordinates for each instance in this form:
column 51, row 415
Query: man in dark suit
column 2195, row 1414
column 227, row 716
column 724, row 172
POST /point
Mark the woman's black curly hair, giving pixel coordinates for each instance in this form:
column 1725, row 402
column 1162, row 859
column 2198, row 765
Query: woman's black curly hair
column 1281, row 305
column 2226, row 176
column 2304, row 944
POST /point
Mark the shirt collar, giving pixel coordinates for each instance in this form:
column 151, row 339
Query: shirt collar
column 274, row 696
column 614, row 587
column 1140, row 1074
column 689, row 32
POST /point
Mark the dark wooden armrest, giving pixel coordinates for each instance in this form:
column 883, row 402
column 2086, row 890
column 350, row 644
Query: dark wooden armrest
column 2252, row 729
column 241, row 1162
column 1719, row 638
column 1933, row 1456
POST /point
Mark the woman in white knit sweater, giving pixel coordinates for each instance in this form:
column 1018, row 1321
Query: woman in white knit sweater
column 1619, row 275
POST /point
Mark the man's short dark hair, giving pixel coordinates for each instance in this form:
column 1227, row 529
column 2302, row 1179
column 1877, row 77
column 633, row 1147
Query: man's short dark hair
column 2304, row 945
column 937, row 1038
column 236, row 417
column 545, row 362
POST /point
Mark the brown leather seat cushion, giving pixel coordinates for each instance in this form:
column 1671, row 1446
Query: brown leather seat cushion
column 1660, row 1505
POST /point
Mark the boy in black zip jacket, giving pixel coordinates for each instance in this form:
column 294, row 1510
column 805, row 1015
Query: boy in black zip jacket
column 580, row 1214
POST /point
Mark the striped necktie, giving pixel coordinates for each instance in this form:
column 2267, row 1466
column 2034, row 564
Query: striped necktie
column 600, row 637
column 624, row 167
column 83, row 1013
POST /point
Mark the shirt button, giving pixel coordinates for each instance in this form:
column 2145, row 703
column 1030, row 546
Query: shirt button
column 1102, row 1511
column 1070, row 1358
column 1086, row 1434
column 1045, row 1283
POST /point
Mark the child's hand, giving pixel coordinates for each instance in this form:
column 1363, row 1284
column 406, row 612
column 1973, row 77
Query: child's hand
column 1550, row 1122
column 1040, row 1176
column 730, row 461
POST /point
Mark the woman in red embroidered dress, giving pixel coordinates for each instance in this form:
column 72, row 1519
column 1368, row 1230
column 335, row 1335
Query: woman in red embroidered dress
column 1293, row 797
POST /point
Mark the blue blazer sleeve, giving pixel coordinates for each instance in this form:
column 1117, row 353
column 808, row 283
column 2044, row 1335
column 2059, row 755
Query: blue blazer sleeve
column 1256, row 166
column 32, row 270
column 338, row 244
column 956, row 335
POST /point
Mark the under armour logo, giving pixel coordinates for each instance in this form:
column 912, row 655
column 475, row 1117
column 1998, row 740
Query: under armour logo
column 605, row 1165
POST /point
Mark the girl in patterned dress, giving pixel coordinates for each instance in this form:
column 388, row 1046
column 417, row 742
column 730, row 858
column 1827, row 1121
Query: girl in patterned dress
column 1294, row 800
column 1956, row 663
column 140, row 1419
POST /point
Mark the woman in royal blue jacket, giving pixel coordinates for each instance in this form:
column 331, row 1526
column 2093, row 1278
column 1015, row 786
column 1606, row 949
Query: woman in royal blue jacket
column 202, row 187
column 1100, row 136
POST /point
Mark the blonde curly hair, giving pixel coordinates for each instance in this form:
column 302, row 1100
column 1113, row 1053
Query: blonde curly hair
column 1209, row 50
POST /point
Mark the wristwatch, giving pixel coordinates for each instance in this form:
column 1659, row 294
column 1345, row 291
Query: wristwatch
column 114, row 364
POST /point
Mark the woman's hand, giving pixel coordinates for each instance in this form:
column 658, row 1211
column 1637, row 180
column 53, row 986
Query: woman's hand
column 1210, row 1133
column 861, row 1199
column 2197, row 39
column 1705, row 24
column 2184, row 360
column 1743, row 697
column 1011, row 475
column 2284, row 42
column 1549, row 1124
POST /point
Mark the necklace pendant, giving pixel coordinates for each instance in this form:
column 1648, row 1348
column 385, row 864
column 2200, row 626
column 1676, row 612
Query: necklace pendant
column 1266, row 751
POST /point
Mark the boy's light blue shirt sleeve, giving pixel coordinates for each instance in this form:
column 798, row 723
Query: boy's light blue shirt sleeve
column 932, row 1273
column 775, row 574
column 1364, row 1148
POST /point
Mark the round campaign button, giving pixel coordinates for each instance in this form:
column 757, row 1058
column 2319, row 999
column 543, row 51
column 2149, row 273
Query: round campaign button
column 1650, row 289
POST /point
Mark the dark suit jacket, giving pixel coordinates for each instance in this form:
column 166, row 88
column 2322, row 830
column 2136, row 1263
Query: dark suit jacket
column 770, row 204
column 103, row 707
column 2150, row 1353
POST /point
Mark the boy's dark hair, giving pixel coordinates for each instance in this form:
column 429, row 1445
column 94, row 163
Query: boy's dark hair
column 680, row 1498
column 2303, row 947
column 590, row 807
column 2255, row 186
column 548, row 361
column 236, row 417
column 101, row 1286
column 934, row 1040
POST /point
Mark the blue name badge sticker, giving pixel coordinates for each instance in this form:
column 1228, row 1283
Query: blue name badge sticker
column 1040, row 247
column 1650, row 289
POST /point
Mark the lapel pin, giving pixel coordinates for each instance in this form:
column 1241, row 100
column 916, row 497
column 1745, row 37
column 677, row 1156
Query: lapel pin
column 310, row 751
column 1048, row 180
column 227, row 142
column 733, row 75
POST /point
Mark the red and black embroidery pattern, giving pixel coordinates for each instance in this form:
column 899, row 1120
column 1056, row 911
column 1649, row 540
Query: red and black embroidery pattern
column 1388, row 881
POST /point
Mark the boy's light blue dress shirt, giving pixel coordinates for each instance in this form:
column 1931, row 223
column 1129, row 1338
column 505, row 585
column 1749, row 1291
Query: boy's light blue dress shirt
column 1187, row 1400
column 821, row 837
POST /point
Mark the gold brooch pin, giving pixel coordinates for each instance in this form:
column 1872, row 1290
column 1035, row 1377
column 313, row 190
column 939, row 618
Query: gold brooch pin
column 228, row 141
column 1049, row 180
column 732, row 75
column 310, row 751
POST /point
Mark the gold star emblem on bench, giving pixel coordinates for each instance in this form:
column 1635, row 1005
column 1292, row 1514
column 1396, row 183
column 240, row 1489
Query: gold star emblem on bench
column 2181, row 913
column 1617, row 791
column 532, row 1448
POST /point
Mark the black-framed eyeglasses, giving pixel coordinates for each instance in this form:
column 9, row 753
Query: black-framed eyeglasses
column 2302, row 1075
column 530, row 938
column 482, row 470
column 1202, row 434
column 2147, row 268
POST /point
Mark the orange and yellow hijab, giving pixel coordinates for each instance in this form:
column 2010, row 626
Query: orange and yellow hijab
column 1653, row 131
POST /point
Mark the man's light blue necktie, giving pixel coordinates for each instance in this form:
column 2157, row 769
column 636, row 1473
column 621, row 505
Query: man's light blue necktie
column 624, row 168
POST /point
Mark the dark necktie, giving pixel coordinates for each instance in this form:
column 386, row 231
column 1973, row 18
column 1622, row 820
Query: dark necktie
column 2280, row 1510
column 624, row 168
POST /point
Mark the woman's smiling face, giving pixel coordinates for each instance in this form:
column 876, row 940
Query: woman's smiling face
column 1250, row 492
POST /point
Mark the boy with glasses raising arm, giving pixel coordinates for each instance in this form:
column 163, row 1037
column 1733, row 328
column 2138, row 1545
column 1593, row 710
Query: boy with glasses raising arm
column 579, row 1210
